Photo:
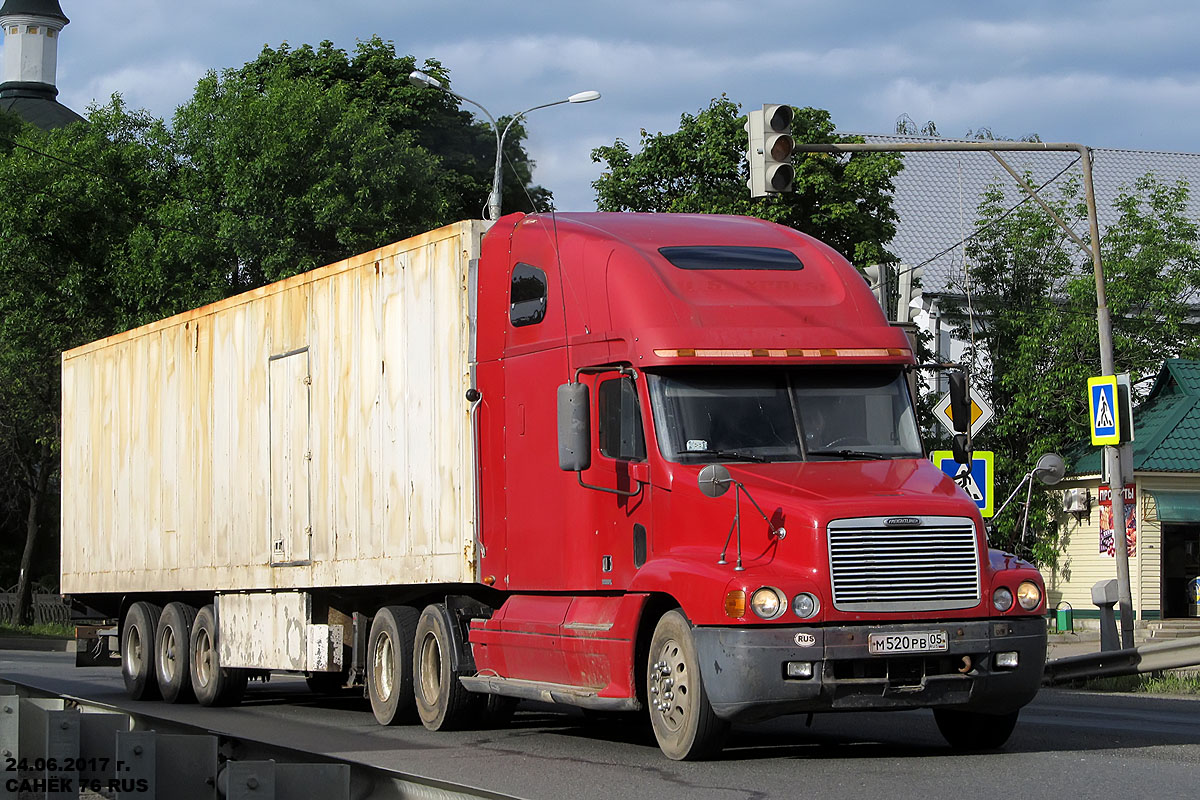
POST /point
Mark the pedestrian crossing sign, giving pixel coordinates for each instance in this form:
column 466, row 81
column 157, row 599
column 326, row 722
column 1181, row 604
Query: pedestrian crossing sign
column 977, row 480
column 1102, row 402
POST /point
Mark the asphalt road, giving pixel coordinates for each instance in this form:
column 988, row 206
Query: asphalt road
column 1067, row 744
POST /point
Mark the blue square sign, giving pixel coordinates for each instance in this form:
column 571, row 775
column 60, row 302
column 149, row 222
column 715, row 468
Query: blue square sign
column 976, row 482
column 1102, row 405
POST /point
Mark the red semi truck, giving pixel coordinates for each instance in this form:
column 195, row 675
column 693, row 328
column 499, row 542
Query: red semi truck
column 628, row 462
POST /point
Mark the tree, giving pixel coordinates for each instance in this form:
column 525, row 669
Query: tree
column 845, row 201
column 67, row 280
column 1035, row 341
column 297, row 159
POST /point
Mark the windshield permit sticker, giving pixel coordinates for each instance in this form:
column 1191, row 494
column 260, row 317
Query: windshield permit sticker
column 697, row 444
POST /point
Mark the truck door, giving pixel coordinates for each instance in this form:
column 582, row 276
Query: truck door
column 618, row 507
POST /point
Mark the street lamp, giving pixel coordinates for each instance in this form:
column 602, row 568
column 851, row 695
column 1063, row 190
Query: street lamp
column 418, row 78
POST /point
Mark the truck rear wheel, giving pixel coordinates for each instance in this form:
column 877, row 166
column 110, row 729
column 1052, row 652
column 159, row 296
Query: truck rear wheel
column 172, row 646
column 685, row 725
column 389, row 664
column 213, row 684
column 974, row 730
column 137, row 650
column 443, row 703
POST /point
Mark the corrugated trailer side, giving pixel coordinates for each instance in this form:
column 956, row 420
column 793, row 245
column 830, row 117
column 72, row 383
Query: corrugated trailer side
column 311, row 433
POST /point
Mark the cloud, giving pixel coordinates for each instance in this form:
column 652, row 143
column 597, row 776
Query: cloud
column 159, row 87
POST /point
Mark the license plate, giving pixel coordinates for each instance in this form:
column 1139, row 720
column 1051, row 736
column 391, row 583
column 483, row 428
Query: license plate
column 914, row 642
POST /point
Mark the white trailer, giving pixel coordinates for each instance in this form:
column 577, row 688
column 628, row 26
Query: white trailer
column 310, row 434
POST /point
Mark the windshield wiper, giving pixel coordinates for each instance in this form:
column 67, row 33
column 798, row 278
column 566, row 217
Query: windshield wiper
column 732, row 454
column 863, row 454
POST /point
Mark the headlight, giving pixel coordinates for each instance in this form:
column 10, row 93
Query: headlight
column 806, row 605
column 1029, row 595
column 768, row 602
column 1002, row 598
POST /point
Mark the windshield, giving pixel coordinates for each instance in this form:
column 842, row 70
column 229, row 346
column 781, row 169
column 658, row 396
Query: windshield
column 703, row 415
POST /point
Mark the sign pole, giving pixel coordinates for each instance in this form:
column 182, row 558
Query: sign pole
column 1112, row 454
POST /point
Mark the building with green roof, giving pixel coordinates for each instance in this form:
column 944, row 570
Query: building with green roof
column 1165, row 551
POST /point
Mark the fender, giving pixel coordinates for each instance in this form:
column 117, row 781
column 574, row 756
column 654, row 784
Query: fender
column 697, row 582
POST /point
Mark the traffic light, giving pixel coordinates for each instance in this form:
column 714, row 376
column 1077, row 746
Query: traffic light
column 910, row 292
column 879, row 278
column 770, row 151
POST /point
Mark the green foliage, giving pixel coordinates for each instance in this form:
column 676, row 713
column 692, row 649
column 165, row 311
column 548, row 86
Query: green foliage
column 1178, row 683
column 297, row 159
column 844, row 201
column 1036, row 340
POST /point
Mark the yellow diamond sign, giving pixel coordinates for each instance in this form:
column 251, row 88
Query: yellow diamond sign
column 981, row 413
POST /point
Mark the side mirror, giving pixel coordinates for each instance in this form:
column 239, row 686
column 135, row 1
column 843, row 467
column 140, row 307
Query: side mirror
column 574, row 431
column 960, row 402
column 714, row 480
column 1050, row 469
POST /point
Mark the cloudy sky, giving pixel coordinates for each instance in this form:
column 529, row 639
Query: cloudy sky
column 1107, row 74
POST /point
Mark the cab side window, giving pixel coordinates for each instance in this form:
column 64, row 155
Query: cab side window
column 527, row 298
column 620, row 424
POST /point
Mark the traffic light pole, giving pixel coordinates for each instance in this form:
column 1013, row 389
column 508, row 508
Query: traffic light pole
column 1112, row 455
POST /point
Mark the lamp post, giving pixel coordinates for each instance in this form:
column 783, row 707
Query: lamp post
column 418, row 78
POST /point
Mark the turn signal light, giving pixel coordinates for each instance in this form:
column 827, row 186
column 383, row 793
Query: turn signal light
column 735, row 604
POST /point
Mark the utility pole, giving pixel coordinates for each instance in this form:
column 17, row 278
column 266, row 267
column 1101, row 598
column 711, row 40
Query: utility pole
column 1112, row 455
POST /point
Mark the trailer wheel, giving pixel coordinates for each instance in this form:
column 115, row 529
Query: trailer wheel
column 684, row 723
column 172, row 646
column 389, row 664
column 137, row 650
column 974, row 730
column 443, row 703
column 213, row 684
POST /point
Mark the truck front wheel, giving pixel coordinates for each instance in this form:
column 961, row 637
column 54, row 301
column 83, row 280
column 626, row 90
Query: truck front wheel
column 172, row 646
column 974, row 730
column 137, row 650
column 683, row 719
column 389, row 663
column 213, row 684
column 443, row 703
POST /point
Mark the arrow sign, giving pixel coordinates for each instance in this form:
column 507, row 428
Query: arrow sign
column 981, row 414
column 978, row 481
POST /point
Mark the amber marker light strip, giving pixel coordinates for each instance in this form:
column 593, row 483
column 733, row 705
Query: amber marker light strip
column 791, row 352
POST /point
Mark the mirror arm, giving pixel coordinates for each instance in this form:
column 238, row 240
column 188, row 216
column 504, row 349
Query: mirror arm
column 621, row 492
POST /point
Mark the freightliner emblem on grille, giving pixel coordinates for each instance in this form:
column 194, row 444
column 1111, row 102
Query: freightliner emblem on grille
column 903, row 522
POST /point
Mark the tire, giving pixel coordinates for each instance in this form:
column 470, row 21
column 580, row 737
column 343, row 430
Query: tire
column 443, row 703
column 498, row 710
column 973, row 730
column 172, row 648
column 137, row 650
column 389, row 664
column 684, row 723
column 212, row 684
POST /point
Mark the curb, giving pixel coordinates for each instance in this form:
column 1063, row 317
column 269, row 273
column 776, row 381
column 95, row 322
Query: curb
column 41, row 643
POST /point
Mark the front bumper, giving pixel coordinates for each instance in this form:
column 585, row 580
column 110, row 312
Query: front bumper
column 744, row 669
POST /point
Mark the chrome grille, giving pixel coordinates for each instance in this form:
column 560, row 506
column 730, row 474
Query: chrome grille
column 932, row 566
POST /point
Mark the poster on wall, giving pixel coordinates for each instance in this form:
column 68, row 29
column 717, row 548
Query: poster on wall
column 1107, row 540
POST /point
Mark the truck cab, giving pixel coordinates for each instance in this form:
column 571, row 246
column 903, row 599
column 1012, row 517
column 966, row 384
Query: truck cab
column 624, row 360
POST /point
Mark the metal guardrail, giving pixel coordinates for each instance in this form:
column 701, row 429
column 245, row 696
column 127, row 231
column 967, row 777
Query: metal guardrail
column 1154, row 657
column 64, row 747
